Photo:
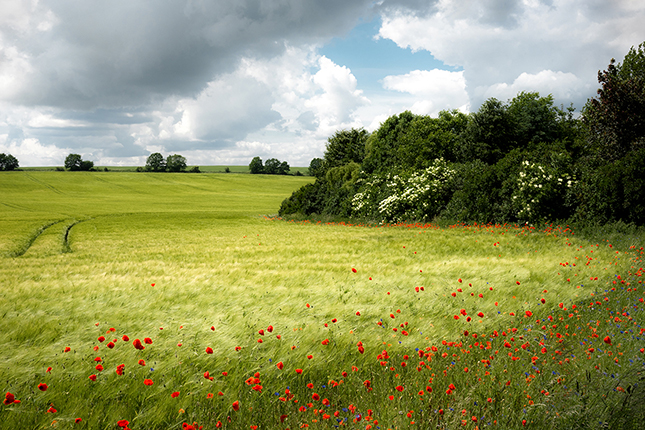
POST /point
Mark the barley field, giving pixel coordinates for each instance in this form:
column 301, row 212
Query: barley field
column 168, row 301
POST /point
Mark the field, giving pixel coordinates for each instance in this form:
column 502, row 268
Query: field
column 203, row 169
column 167, row 301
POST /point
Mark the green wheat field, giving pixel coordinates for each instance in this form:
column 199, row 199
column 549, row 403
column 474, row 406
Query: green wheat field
column 179, row 301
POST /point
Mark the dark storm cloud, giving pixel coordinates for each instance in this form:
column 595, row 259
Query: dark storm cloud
column 115, row 53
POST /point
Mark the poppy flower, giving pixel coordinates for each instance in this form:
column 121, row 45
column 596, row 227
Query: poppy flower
column 529, row 314
column 299, row 371
column 142, row 362
column 148, row 382
column 315, row 396
column 209, row 350
column 125, row 338
column 209, row 395
column 325, row 342
column 280, row 365
column 98, row 359
column 354, row 270
column 123, row 423
column 147, row 341
column 119, row 369
column 270, row 329
column 361, row 349
column 480, row 314
column 42, row 387
column 67, row 349
column 92, row 377
column 51, row 410
column 310, row 356
column 10, row 399
column 238, row 348
column 101, row 338
column 110, row 345
column 208, row 376
column 175, row 394
column 399, row 388
column 282, row 418
column 99, row 367
column 607, row 340
column 137, row 344
column 358, row 313
column 261, row 332
column 236, row 405
column 213, row 327
column 219, row 393
column 77, row 420
column 49, row 369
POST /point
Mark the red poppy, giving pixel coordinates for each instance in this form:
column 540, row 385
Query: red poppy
column 236, row 405
column 480, row 314
column 282, row 418
column 98, row 359
column 137, row 344
column 209, row 395
column 175, row 394
column 92, row 377
column 325, row 342
column 42, row 387
column 213, row 327
column 125, row 338
column 67, row 349
column 51, row 410
column 10, row 399
column 607, row 340
column 101, row 338
column 123, row 423
column 209, row 350
column 147, row 341
column 49, row 369
column 99, row 367
column 310, row 356
column 529, row 314
column 280, row 365
column 270, row 329
column 142, row 362
column 110, row 345
column 299, row 371
column 77, row 420
column 361, row 349
column 224, row 373
column 261, row 332
column 358, row 313
column 238, row 348
column 119, row 369
column 399, row 388
column 148, row 382
column 315, row 396
column 354, row 270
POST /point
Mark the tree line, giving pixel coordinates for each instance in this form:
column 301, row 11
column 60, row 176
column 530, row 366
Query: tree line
column 525, row 160
column 272, row 166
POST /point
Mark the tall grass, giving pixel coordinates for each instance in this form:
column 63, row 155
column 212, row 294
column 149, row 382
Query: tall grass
column 221, row 273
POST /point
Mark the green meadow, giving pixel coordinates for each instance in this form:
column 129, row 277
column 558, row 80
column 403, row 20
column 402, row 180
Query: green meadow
column 250, row 321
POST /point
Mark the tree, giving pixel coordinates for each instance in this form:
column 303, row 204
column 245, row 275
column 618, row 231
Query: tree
column 86, row 165
column 316, row 168
column 8, row 162
column 155, row 163
column 256, row 166
column 346, row 146
column 284, row 168
column 615, row 121
column 272, row 166
column 73, row 162
column 176, row 163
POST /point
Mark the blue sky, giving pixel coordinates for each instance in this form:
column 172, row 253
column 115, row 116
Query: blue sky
column 222, row 81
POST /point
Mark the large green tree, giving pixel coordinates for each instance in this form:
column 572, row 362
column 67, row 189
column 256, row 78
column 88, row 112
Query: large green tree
column 73, row 162
column 155, row 163
column 176, row 163
column 615, row 120
column 255, row 166
column 8, row 162
column 345, row 146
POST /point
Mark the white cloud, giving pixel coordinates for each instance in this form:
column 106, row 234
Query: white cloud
column 496, row 42
column 434, row 90
column 30, row 152
column 563, row 86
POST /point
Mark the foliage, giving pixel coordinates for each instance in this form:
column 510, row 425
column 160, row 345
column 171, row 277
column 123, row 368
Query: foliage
column 316, row 168
column 195, row 169
column 256, row 166
column 75, row 162
column 176, row 163
column 417, row 195
column 8, row 162
column 616, row 119
column 155, row 163
column 344, row 147
column 273, row 166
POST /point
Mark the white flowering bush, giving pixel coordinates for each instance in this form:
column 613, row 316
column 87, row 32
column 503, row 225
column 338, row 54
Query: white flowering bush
column 539, row 189
column 403, row 196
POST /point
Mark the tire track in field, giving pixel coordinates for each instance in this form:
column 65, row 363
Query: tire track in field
column 32, row 238
column 44, row 184
column 66, row 247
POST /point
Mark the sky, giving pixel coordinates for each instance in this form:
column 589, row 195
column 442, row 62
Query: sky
column 221, row 81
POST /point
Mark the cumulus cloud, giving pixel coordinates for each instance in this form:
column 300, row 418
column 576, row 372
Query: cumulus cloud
column 433, row 90
column 496, row 41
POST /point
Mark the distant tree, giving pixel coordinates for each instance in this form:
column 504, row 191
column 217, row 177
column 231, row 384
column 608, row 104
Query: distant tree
column 87, row 165
column 284, row 168
column 176, row 163
column 73, row 162
column 316, row 168
column 155, row 163
column 256, row 166
column 8, row 162
column 195, row 169
column 272, row 166
column 227, row 170
column 615, row 121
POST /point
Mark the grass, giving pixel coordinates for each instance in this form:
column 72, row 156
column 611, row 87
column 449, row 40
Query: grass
column 81, row 252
